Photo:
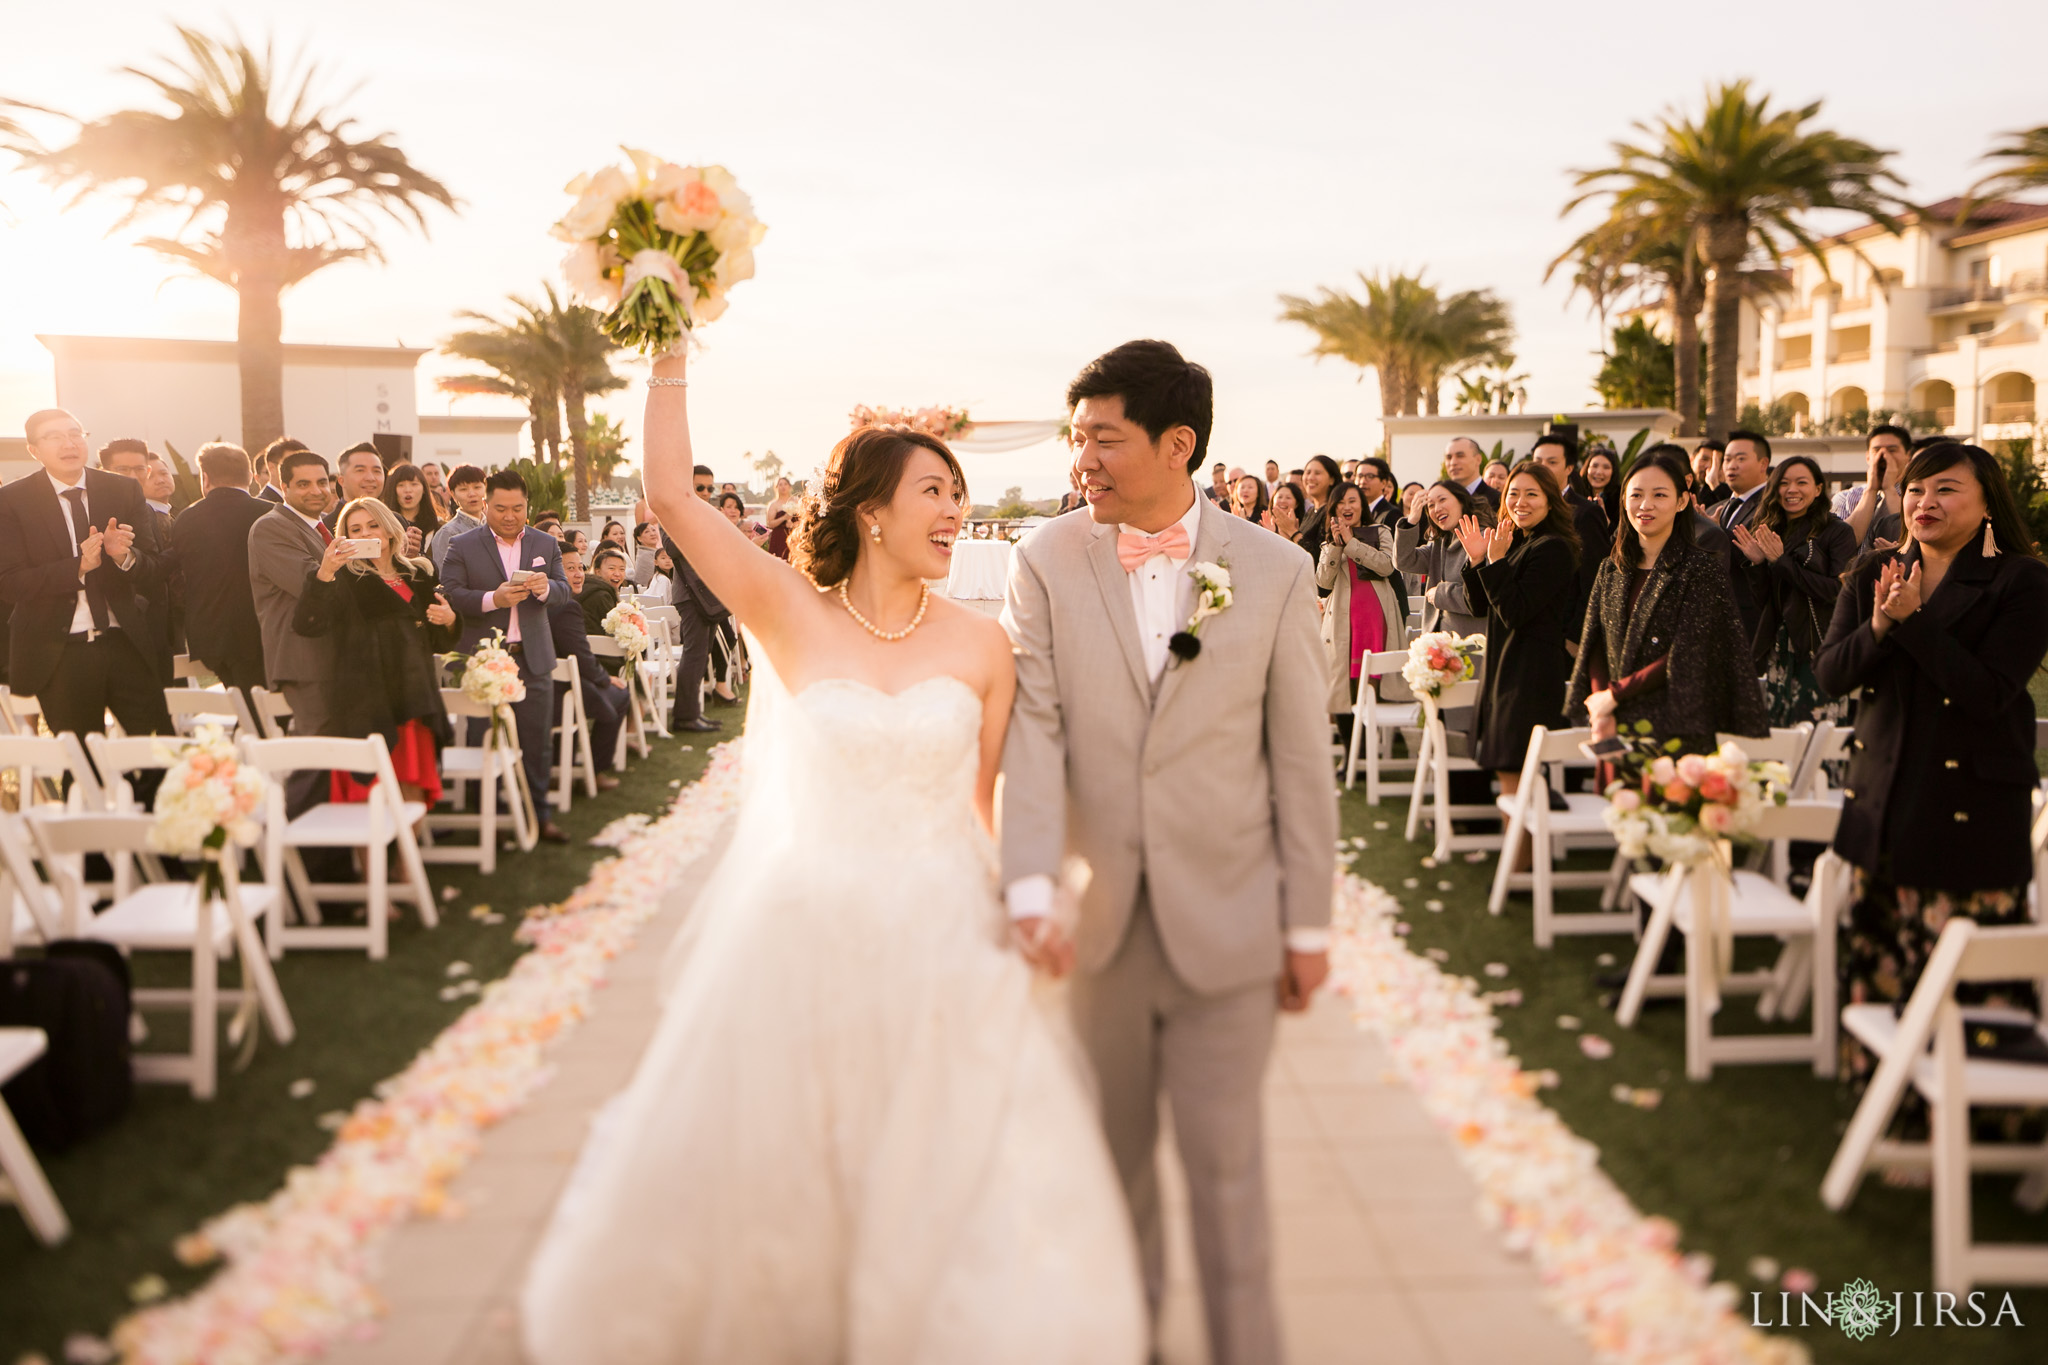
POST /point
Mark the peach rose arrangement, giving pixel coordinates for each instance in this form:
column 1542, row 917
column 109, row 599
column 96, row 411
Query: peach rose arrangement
column 1675, row 807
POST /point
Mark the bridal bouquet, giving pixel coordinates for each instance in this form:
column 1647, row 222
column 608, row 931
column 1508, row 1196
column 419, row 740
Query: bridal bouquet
column 1441, row 659
column 657, row 245
column 208, row 800
column 1680, row 808
column 944, row 423
column 627, row 625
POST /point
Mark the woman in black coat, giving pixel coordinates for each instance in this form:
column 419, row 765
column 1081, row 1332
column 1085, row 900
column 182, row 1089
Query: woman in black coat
column 1794, row 554
column 388, row 620
column 1943, row 636
column 1523, row 574
column 1662, row 640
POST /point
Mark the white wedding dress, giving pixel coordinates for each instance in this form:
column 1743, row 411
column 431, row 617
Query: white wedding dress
column 860, row 1133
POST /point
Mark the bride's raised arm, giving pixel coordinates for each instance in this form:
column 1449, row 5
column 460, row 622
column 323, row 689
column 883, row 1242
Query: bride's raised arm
column 762, row 590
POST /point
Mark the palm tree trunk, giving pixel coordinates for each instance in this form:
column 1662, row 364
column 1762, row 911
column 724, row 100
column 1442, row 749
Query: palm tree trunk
column 1727, row 239
column 579, row 451
column 257, row 253
column 1685, row 359
column 536, row 423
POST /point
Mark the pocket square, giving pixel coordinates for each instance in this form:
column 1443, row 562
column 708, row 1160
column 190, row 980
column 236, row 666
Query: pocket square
column 539, row 561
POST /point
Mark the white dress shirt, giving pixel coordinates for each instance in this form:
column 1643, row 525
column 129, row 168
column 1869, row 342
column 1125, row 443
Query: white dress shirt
column 81, row 615
column 1163, row 597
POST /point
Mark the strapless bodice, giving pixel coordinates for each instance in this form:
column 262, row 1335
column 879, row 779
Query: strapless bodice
column 868, row 764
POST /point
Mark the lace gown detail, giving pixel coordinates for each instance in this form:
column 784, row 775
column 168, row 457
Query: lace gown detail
column 860, row 1133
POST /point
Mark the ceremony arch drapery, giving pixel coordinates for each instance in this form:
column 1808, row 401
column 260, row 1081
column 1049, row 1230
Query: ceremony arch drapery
column 991, row 438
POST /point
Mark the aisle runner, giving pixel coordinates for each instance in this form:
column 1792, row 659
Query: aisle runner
column 297, row 1277
column 1613, row 1274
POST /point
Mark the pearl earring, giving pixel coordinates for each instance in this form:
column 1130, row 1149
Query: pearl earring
column 875, row 531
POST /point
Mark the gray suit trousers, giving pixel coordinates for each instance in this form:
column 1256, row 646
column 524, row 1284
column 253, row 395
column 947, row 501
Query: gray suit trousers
column 312, row 706
column 1145, row 1030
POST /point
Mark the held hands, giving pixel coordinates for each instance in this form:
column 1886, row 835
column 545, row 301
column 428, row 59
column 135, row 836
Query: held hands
column 1044, row 944
column 1473, row 537
column 1300, row 977
column 439, row 612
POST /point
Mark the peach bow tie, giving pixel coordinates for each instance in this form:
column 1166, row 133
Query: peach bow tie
column 1133, row 548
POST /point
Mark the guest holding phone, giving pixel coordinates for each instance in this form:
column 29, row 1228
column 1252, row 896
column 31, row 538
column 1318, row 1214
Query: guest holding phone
column 386, row 615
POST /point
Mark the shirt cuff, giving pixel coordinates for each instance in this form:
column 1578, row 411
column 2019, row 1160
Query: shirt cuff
column 1308, row 940
column 1029, row 897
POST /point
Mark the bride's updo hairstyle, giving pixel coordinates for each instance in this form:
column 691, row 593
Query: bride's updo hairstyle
column 863, row 472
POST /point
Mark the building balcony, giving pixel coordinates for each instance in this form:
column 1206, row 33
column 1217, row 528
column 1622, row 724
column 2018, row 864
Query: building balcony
column 1795, row 315
column 1799, row 364
column 1944, row 418
column 1998, row 414
column 1966, row 297
column 2029, row 284
column 1855, row 305
column 1850, row 357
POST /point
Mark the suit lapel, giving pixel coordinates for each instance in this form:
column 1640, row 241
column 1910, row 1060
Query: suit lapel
column 1212, row 541
column 51, row 515
column 1116, row 597
column 1960, row 588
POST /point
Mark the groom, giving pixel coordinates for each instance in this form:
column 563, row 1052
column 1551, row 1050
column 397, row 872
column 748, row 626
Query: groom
column 1193, row 779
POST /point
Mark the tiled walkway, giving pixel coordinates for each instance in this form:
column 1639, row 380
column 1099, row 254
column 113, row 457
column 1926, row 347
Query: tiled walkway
column 1380, row 1256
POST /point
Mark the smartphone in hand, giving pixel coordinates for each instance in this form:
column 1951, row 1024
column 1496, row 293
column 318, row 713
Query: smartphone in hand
column 367, row 548
column 1610, row 750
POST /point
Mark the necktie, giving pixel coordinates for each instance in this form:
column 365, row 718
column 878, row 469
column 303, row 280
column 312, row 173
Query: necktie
column 1133, row 548
column 81, row 527
column 326, row 536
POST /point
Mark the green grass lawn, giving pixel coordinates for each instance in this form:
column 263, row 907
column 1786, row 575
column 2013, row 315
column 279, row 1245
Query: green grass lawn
column 172, row 1162
column 1735, row 1161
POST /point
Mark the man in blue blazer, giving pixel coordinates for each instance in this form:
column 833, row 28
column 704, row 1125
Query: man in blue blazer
column 499, row 579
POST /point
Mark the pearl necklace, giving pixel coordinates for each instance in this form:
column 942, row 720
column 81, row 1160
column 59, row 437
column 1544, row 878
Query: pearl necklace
column 924, row 599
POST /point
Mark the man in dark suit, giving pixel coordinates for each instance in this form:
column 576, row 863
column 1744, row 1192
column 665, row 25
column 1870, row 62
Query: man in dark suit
column 358, row 473
column 605, row 698
column 697, row 608
column 79, row 563
column 1557, row 453
column 1708, row 488
column 211, row 542
column 1746, row 465
column 1382, row 491
column 131, row 459
column 499, row 579
column 1464, row 463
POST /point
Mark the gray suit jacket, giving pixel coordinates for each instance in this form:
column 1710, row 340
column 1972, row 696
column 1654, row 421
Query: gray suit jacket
column 1214, row 787
column 283, row 549
column 473, row 568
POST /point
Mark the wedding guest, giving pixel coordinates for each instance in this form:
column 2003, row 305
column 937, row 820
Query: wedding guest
column 1662, row 641
column 734, row 509
column 646, row 545
column 1794, row 556
column 782, row 514
column 437, row 491
column 1381, row 489
column 1495, row 475
column 1706, row 533
column 1286, row 514
column 405, row 492
column 1431, row 549
column 1746, row 466
column 273, row 478
column 1463, row 463
column 1522, row 574
column 1597, row 480
column 160, row 486
column 1363, row 615
column 697, row 610
column 388, row 618
column 1556, row 453
column 1411, row 498
column 129, row 458
column 1272, row 477
column 466, row 490
column 660, row 589
column 549, row 522
column 1249, row 501
column 1319, row 480
column 1873, row 513
column 613, row 534
column 285, row 544
column 499, row 579
column 211, row 541
column 600, row 591
column 78, row 560
column 1218, row 490
column 1707, row 486
column 573, row 539
column 1943, row 636
column 605, row 697
column 358, row 473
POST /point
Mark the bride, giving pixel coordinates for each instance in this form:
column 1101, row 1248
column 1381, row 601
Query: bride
column 857, row 1135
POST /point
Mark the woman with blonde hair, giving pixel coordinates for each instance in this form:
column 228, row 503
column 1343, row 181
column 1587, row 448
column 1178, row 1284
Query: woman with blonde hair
column 388, row 619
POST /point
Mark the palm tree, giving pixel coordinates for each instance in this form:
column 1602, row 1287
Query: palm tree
column 2026, row 155
column 1652, row 257
column 1405, row 332
column 1740, row 178
column 582, row 354
column 520, row 366
column 273, row 187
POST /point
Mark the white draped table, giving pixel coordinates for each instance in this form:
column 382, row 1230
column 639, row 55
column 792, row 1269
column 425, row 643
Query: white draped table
column 981, row 572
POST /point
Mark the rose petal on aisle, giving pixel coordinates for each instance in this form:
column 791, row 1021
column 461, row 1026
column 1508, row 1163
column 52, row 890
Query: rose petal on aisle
column 299, row 1266
column 1616, row 1276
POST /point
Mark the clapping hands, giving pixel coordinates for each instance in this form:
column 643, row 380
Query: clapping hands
column 1759, row 545
column 1897, row 596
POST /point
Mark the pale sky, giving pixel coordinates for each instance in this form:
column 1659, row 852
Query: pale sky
column 966, row 202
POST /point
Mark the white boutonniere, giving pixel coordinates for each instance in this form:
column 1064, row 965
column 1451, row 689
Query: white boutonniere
column 1212, row 598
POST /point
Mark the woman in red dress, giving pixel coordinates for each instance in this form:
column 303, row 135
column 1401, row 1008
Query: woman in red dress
column 388, row 619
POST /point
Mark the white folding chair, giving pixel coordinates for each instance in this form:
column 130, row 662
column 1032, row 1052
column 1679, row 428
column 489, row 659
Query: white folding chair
column 192, row 707
column 1551, row 834
column 1788, row 745
column 21, row 1177
column 40, row 763
column 19, row 714
column 1691, row 899
column 494, row 769
column 368, row 827
column 170, row 917
column 1951, row 1082
column 573, row 749
column 1430, row 796
column 1377, row 716
column 192, row 671
column 29, row 911
column 638, row 721
column 660, row 667
column 273, row 714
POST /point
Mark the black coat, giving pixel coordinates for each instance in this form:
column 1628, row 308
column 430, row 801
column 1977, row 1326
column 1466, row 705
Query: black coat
column 1799, row 588
column 210, row 540
column 1941, row 772
column 1684, row 616
column 1596, row 538
column 1728, row 514
column 387, row 646
column 39, row 573
column 597, row 600
column 1527, row 596
column 689, row 591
